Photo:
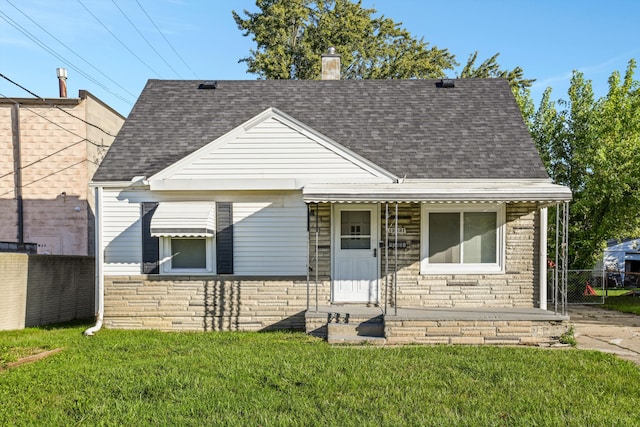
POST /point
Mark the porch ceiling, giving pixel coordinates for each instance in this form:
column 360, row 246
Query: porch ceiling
column 440, row 191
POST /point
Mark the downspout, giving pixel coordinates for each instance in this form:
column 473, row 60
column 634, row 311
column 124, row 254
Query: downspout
column 543, row 257
column 99, row 276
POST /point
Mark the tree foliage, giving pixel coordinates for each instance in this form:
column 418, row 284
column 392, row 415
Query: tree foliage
column 490, row 68
column 291, row 35
column 593, row 146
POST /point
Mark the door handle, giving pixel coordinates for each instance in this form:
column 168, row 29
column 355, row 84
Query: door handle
column 375, row 252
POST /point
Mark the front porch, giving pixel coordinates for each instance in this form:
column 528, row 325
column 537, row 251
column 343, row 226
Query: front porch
column 495, row 325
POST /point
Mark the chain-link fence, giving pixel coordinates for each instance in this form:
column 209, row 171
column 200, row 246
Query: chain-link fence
column 585, row 287
column 591, row 286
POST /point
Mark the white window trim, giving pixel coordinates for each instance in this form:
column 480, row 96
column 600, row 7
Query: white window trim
column 460, row 268
column 165, row 258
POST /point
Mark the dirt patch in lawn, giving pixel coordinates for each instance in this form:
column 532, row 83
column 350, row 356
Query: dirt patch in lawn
column 31, row 358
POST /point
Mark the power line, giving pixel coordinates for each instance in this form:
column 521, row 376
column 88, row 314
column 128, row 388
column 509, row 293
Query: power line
column 53, row 105
column 54, row 123
column 167, row 40
column 119, row 41
column 44, row 46
column 51, row 174
column 144, row 38
column 45, row 157
column 71, row 50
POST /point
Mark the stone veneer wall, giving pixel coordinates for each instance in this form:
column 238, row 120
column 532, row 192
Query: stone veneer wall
column 511, row 332
column 206, row 303
column 517, row 287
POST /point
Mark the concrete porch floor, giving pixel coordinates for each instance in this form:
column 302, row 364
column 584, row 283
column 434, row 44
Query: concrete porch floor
column 441, row 314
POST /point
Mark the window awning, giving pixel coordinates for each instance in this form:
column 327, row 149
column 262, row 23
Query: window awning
column 184, row 219
column 440, row 191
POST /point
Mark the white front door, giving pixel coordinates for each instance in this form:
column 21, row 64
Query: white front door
column 355, row 253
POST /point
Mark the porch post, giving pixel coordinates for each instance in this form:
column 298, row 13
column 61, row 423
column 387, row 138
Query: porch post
column 395, row 269
column 543, row 257
column 565, row 255
column 386, row 256
column 308, row 255
column 557, row 259
column 316, row 254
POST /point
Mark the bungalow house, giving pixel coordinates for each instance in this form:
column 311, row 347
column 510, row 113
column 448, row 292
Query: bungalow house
column 405, row 210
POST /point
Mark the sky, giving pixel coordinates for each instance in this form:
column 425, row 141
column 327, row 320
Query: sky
column 112, row 47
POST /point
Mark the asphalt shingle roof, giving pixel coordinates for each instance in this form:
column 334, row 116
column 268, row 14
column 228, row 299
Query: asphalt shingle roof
column 408, row 127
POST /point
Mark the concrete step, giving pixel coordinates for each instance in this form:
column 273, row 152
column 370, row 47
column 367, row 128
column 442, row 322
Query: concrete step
column 367, row 328
column 356, row 331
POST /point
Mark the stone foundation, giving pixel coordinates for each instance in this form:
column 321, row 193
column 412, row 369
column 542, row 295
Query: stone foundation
column 475, row 332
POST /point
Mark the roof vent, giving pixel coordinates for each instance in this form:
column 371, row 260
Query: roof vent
column 446, row 83
column 210, row 84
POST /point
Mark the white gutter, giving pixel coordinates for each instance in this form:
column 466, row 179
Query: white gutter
column 99, row 254
column 543, row 257
column 439, row 191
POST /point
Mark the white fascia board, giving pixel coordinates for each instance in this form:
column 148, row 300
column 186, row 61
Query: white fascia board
column 118, row 184
column 322, row 140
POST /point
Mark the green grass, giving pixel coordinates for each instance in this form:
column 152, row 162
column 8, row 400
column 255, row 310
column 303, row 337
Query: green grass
column 630, row 304
column 289, row 379
column 615, row 292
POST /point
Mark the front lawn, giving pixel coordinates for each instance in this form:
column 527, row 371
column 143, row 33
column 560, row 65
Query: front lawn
column 282, row 379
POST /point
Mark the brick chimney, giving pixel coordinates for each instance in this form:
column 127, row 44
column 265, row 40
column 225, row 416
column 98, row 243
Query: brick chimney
column 331, row 65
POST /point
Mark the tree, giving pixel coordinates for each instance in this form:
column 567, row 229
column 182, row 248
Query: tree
column 594, row 148
column 291, row 35
column 491, row 68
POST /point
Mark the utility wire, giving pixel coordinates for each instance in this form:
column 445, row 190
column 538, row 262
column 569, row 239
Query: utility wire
column 118, row 39
column 52, row 105
column 44, row 46
column 167, row 40
column 145, row 39
column 71, row 50
column 45, row 157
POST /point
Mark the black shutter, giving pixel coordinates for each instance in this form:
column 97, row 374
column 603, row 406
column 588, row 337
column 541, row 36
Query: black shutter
column 224, row 238
column 150, row 245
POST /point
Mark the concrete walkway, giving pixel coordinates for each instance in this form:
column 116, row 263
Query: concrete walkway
column 606, row 331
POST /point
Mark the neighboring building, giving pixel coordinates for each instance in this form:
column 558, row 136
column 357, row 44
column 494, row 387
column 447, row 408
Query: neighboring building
column 416, row 206
column 622, row 262
column 47, row 158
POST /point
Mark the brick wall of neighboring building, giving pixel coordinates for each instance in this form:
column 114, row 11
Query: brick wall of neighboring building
column 59, row 154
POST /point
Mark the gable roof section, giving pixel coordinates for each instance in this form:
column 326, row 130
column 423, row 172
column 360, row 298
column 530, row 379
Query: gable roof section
column 270, row 151
column 410, row 128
